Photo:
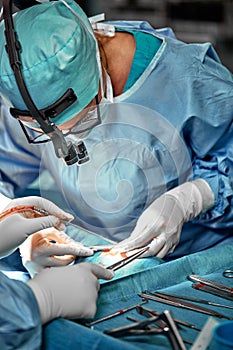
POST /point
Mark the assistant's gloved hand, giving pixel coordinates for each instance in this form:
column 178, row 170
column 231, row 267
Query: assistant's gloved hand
column 161, row 223
column 69, row 291
column 15, row 228
column 48, row 248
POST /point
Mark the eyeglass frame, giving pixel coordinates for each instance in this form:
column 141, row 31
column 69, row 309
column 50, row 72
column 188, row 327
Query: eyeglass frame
column 68, row 132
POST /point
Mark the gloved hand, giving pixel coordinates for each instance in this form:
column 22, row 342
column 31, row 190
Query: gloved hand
column 15, row 228
column 48, row 248
column 161, row 223
column 69, row 291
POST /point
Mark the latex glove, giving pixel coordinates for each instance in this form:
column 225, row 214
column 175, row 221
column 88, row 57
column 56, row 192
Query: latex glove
column 50, row 247
column 69, row 291
column 161, row 223
column 14, row 229
column 4, row 201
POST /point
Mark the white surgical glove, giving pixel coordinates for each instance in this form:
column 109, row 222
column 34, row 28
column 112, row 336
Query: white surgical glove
column 161, row 223
column 14, row 229
column 69, row 291
column 48, row 248
column 4, row 201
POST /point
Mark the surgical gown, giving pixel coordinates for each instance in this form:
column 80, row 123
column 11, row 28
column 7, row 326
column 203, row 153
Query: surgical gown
column 20, row 324
column 174, row 124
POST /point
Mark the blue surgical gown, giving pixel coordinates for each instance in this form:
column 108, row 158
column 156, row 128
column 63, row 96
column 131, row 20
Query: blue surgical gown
column 185, row 95
column 20, row 324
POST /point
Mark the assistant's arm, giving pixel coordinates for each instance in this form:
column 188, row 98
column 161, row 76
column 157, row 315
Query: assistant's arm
column 20, row 323
column 15, row 228
column 69, row 291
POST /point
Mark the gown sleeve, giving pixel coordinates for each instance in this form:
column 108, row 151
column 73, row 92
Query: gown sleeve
column 20, row 324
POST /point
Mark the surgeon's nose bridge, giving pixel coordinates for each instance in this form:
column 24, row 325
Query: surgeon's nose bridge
column 80, row 117
column 93, row 104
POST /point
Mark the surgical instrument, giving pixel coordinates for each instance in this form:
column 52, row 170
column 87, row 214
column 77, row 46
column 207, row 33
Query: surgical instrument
column 33, row 209
column 42, row 212
column 64, row 221
column 117, row 313
column 228, row 273
column 22, row 209
column 208, row 289
column 161, row 324
column 148, row 312
column 38, row 212
column 127, row 260
column 105, row 247
column 181, row 304
column 213, row 284
column 196, row 300
column 204, row 338
column 167, row 328
column 132, row 328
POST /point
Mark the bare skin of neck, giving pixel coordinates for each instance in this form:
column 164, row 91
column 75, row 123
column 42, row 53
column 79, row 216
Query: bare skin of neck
column 117, row 55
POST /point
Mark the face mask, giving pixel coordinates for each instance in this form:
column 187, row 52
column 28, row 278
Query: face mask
column 82, row 128
column 93, row 116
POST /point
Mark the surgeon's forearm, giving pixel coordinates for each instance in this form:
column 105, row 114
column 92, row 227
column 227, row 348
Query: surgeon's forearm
column 194, row 198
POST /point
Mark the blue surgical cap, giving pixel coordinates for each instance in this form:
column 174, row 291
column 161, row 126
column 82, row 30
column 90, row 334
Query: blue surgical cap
column 58, row 52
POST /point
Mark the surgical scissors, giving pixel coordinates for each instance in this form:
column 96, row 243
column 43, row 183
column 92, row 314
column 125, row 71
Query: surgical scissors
column 228, row 273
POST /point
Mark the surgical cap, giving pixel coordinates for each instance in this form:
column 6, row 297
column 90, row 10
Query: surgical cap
column 58, row 52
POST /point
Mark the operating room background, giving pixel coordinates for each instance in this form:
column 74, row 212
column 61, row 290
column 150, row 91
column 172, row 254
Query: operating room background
column 191, row 20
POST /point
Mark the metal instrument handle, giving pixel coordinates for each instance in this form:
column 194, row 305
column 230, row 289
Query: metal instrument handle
column 213, row 284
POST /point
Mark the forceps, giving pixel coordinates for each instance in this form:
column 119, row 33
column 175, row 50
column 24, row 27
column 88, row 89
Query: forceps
column 228, row 273
column 43, row 212
column 127, row 260
column 164, row 325
column 162, row 298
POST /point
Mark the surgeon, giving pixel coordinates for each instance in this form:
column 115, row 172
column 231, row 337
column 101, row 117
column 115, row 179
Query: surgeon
column 68, row 291
column 150, row 115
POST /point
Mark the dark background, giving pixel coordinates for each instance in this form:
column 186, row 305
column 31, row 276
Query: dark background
column 192, row 21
